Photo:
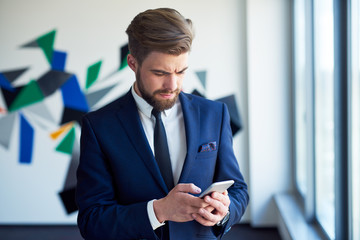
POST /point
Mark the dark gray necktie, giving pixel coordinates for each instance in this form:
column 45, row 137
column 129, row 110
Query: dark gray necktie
column 161, row 150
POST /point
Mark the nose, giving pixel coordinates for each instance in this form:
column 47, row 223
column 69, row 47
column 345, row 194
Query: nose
column 171, row 82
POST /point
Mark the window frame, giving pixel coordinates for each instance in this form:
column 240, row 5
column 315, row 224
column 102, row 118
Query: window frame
column 342, row 90
column 354, row 48
column 307, row 201
column 342, row 118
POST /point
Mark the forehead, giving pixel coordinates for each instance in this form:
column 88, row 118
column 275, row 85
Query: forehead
column 165, row 62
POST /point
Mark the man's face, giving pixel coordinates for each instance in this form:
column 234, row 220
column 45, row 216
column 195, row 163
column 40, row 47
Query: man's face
column 159, row 79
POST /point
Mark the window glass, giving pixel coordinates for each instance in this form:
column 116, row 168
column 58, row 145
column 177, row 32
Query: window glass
column 300, row 95
column 324, row 114
column 355, row 118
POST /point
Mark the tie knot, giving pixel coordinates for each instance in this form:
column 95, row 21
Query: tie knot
column 156, row 113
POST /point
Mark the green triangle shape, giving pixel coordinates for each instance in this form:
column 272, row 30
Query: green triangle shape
column 30, row 94
column 46, row 43
column 66, row 145
column 92, row 74
column 123, row 64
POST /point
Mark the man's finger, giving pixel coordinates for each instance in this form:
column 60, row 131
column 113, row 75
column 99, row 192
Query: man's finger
column 205, row 218
column 222, row 197
column 188, row 188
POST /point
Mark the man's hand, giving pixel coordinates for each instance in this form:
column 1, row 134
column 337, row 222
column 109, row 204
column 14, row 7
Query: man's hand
column 179, row 205
column 215, row 211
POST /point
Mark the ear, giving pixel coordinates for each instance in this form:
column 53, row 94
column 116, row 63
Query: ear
column 132, row 62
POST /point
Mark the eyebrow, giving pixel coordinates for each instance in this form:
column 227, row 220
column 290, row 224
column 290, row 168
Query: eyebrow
column 165, row 72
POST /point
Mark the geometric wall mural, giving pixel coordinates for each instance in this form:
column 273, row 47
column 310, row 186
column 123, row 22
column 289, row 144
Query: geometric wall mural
column 235, row 118
column 75, row 103
column 18, row 101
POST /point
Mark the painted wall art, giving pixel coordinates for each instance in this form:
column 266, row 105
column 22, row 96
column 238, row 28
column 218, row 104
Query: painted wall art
column 40, row 125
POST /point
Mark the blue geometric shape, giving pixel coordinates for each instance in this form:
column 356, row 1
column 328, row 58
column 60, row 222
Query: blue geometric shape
column 73, row 97
column 4, row 83
column 26, row 141
column 58, row 61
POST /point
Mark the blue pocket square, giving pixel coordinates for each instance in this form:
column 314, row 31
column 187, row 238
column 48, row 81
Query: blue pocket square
column 208, row 147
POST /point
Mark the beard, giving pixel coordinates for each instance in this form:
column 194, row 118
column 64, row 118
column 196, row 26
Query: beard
column 150, row 98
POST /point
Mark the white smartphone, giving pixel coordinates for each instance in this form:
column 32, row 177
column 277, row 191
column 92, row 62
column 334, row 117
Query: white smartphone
column 217, row 187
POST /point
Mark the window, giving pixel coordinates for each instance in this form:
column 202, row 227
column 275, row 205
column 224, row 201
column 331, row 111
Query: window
column 324, row 114
column 326, row 143
column 300, row 95
column 355, row 117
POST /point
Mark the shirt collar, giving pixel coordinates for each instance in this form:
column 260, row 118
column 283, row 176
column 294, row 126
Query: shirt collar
column 146, row 108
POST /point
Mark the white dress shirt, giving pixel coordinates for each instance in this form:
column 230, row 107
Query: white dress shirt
column 173, row 121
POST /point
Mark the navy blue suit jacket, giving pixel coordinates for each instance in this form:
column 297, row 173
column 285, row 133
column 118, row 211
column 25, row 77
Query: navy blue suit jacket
column 118, row 173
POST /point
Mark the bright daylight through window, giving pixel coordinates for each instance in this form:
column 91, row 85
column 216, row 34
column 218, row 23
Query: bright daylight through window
column 301, row 117
column 324, row 114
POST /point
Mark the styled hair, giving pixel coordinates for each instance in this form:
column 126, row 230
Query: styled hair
column 164, row 30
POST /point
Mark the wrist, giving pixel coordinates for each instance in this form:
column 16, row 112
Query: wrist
column 223, row 221
column 158, row 210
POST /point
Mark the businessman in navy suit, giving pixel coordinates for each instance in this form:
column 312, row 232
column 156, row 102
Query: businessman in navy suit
column 124, row 191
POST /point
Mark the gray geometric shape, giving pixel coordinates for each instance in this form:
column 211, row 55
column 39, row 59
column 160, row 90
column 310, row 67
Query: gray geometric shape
column 95, row 97
column 109, row 75
column 70, row 180
column 41, row 110
column 14, row 74
column 30, row 44
column 202, row 76
column 52, row 80
column 6, row 126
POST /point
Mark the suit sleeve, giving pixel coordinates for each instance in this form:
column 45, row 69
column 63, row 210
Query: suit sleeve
column 227, row 168
column 100, row 216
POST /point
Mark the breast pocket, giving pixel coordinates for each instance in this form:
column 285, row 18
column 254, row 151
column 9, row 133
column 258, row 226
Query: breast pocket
column 203, row 169
column 212, row 155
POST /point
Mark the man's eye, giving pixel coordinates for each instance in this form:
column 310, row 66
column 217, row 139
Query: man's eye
column 159, row 74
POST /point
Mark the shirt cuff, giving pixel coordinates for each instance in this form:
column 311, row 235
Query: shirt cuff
column 152, row 217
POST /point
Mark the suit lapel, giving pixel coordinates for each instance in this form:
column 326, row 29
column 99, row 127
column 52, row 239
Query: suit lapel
column 135, row 132
column 192, row 120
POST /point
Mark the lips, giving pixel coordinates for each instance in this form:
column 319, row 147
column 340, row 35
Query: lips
column 167, row 95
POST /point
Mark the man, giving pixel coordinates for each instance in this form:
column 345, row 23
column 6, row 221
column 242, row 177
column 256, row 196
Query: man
column 129, row 188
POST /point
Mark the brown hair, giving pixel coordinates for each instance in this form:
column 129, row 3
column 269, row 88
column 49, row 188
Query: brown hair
column 164, row 30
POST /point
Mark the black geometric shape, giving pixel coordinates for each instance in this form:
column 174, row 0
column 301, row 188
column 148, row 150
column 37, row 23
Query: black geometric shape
column 70, row 114
column 235, row 119
column 234, row 127
column 68, row 199
column 52, row 80
column 197, row 93
column 14, row 74
column 10, row 96
column 33, row 43
column 124, row 51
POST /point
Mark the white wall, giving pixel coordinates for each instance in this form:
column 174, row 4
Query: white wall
column 244, row 46
column 89, row 31
column 269, row 77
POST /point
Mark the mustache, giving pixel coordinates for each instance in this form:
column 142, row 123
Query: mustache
column 166, row 91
